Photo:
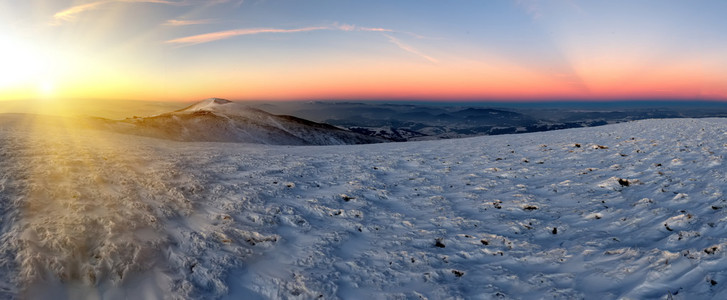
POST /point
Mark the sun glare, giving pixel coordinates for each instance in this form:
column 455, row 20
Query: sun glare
column 45, row 88
column 23, row 67
column 17, row 61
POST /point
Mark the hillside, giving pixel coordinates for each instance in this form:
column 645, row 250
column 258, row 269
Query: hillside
column 430, row 121
column 220, row 120
column 633, row 210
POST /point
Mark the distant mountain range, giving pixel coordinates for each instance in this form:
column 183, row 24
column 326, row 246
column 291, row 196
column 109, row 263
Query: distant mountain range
column 338, row 123
column 427, row 121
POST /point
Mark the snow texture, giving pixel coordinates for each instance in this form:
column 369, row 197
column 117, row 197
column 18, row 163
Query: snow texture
column 633, row 210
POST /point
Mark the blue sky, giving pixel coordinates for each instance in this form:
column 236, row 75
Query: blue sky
column 288, row 50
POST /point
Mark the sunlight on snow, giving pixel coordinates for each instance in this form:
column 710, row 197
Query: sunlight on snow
column 87, row 218
column 632, row 210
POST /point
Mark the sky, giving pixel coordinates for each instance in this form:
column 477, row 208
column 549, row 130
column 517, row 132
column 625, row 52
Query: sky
column 184, row 50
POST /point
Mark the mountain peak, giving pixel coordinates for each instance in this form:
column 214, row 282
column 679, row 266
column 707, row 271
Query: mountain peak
column 211, row 102
column 206, row 105
column 217, row 100
column 221, row 120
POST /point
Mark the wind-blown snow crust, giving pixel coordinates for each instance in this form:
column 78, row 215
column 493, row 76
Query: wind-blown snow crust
column 634, row 210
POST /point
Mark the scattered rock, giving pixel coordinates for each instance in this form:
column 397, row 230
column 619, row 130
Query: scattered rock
column 438, row 243
column 530, row 207
column 496, row 204
column 711, row 250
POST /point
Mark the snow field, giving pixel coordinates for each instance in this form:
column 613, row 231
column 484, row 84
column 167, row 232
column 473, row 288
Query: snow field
column 633, row 210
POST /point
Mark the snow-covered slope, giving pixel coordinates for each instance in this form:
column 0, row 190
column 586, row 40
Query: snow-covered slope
column 634, row 210
column 216, row 104
column 220, row 120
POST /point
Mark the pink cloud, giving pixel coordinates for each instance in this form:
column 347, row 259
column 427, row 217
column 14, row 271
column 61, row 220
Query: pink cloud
column 347, row 27
column 410, row 49
column 70, row 14
column 187, row 22
column 220, row 35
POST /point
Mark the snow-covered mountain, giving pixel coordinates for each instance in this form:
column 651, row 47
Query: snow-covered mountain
column 220, row 120
column 627, row 211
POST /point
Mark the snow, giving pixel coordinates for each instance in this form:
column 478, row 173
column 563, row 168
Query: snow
column 222, row 107
column 634, row 210
column 220, row 120
column 208, row 104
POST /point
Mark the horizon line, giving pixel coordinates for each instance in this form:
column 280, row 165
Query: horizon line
column 407, row 100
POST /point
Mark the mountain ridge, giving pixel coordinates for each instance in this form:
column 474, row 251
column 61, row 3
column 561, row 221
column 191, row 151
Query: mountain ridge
column 222, row 120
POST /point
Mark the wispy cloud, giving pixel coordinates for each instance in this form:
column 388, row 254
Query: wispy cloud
column 213, row 2
column 347, row 27
column 187, row 22
column 220, row 35
column 70, row 14
column 214, row 36
column 410, row 49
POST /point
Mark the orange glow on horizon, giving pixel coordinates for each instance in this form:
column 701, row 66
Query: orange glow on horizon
column 91, row 51
column 460, row 82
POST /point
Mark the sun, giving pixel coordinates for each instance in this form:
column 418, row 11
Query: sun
column 46, row 88
column 17, row 61
column 24, row 68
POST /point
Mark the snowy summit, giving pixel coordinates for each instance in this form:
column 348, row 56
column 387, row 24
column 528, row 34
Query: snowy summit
column 208, row 105
column 220, row 120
